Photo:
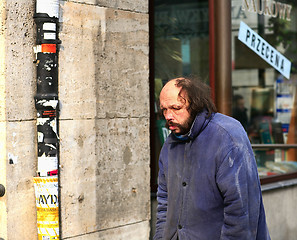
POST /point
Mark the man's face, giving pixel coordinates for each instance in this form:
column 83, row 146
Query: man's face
column 175, row 109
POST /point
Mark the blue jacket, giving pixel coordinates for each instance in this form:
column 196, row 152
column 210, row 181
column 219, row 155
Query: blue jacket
column 208, row 185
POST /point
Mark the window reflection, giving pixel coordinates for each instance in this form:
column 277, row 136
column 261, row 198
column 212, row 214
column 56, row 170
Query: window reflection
column 181, row 40
column 263, row 100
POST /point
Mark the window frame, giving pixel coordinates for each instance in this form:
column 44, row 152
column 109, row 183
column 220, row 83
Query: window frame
column 220, row 79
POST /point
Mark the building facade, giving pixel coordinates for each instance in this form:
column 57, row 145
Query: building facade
column 114, row 57
column 103, row 120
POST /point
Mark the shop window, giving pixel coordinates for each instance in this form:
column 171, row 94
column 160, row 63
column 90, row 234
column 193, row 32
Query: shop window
column 264, row 78
column 180, row 42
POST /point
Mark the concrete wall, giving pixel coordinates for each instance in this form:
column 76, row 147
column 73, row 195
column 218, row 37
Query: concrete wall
column 104, row 120
column 281, row 212
column 18, row 155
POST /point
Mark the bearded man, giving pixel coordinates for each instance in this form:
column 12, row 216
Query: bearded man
column 208, row 184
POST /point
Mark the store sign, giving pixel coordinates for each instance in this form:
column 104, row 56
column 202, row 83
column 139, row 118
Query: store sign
column 268, row 53
column 268, row 8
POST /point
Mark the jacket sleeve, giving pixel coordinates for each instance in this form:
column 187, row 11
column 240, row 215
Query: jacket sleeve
column 162, row 203
column 237, row 179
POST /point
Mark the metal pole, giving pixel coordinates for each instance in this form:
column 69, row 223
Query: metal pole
column 46, row 103
column 46, row 98
column 223, row 59
column 212, row 50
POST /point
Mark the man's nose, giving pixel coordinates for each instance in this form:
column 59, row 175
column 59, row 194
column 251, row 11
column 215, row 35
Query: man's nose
column 168, row 115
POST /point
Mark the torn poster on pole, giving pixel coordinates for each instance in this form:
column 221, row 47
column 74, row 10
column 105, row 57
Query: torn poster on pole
column 49, row 7
column 46, row 18
column 46, row 193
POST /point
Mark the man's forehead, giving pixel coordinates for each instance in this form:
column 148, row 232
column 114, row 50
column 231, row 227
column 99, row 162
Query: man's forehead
column 170, row 88
column 170, row 85
column 171, row 95
column 169, row 91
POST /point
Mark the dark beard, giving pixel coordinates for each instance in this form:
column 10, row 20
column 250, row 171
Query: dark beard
column 184, row 128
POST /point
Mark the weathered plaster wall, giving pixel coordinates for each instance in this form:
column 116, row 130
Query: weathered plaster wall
column 104, row 120
column 128, row 5
column 281, row 212
column 3, row 214
column 18, row 138
column 104, row 93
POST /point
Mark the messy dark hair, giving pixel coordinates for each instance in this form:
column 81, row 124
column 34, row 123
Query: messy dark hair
column 197, row 93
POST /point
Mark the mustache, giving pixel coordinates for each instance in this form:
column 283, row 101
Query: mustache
column 170, row 123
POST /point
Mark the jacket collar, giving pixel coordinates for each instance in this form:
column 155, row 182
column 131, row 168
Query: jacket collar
column 199, row 124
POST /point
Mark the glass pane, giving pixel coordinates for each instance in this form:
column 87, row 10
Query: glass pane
column 181, row 38
column 264, row 96
column 181, row 49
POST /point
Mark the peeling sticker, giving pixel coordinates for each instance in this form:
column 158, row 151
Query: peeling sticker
column 48, row 123
column 46, row 164
column 54, row 127
column 50, row 35
column 49, row 7
column 49, row 26
column 37, row 49
column 49, row 64
column 47, row 205
column 51, row 146
column 12, row 158
column 48, row 103
column 40, row 136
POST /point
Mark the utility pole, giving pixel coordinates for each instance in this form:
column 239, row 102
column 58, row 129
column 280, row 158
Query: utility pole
column 46, row 103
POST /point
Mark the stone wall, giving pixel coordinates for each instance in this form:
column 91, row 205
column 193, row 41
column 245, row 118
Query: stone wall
column 103, row 123
column 18, row 155
column 105, row 109
column 281, row 212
